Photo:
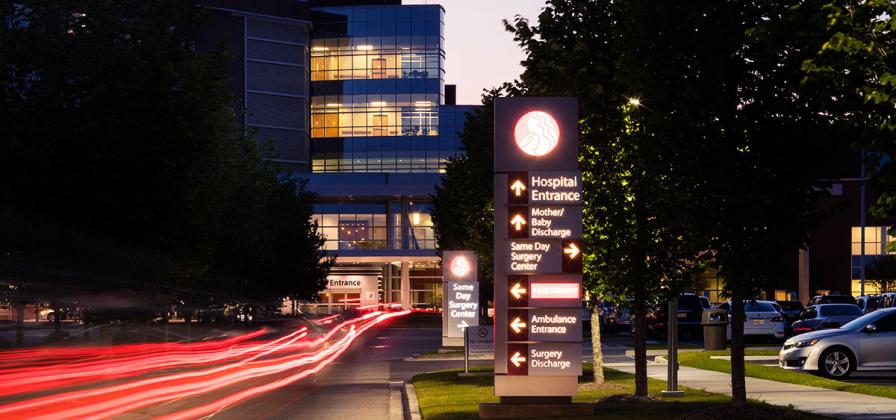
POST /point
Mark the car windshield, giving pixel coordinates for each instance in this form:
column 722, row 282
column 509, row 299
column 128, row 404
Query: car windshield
column 759, row 306
column 839, row 310
column 837, row 299
column 865, row 320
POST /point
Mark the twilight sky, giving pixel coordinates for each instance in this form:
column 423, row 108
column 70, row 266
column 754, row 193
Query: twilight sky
column 479, row 54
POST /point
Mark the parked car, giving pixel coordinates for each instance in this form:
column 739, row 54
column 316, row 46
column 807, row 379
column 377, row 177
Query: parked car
column 832, row 298
column 868, row 304
column 864, row 344
column 887, row 300
column 690, row 314
column 791, row 310
column 761, row 320
column 624, row 318
column 825, row 316
column 705, row 302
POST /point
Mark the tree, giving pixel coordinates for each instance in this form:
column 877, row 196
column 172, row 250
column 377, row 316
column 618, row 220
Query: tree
column 123, row 158
column 463, row 205
column 882, row 273
column 853, row 72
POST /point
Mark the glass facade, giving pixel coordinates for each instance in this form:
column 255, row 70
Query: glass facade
column 425, row 279
column 377, row 90
column 375, row 226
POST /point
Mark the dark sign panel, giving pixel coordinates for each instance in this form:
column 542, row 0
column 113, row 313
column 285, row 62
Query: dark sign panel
column 544, row 359
column 546, row 325
column 536, row 134
column 538, row 247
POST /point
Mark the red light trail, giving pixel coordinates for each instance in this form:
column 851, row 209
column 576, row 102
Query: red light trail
column 216, row 365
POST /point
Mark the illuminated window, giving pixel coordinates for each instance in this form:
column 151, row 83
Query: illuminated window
column 374, row 115
column 348, row 231
column 876, row 240
column 347, row 62
column 870, row 288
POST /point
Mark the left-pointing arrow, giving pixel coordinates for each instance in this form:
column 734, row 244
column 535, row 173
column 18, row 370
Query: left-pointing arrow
column 517, row 358
column 517, row 325
column 517, row 290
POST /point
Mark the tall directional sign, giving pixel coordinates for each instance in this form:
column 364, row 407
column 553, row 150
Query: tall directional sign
column 460, row 296
column 538, row 248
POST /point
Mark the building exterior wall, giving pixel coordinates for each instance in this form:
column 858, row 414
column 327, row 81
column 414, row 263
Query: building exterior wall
column 268, row 42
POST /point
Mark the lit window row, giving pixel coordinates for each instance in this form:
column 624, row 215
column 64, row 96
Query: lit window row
column 390, row 165
column 369, row 231
column 361, row 64
column 376, row 118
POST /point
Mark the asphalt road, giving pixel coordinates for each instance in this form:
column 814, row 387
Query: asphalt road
column 363, row 384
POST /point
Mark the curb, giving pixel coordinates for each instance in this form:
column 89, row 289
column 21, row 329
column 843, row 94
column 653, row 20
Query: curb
column 411, row 405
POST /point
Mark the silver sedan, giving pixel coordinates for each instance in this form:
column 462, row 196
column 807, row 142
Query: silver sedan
column 865, row 344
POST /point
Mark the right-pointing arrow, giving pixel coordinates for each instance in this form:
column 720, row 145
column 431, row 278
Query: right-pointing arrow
column 517, row 358
column 517, row 325
column 573, row 250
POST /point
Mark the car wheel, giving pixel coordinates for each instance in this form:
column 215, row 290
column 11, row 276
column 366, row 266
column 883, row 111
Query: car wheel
column 836, row 363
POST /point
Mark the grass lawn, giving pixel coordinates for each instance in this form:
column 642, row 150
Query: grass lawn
column 443, row 395
column 701, row 360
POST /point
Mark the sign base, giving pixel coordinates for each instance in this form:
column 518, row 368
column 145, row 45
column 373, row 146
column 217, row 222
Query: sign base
column 536, row 386
column 534, row 410
column 453, row 343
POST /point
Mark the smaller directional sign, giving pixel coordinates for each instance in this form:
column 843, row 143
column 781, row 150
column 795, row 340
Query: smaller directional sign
column 544, row 359
column 461, row 301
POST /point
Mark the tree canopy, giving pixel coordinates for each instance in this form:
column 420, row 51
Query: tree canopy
column 122, row 158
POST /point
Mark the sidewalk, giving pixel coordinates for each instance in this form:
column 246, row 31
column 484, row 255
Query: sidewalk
column 804, row 398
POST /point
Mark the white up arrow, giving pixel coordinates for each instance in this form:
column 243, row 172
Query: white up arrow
column 518, row 221
column 517, row 358
column 517, row 188
column 517, row 325
column 517, row 290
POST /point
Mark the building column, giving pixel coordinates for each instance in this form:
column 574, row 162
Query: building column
column 405, row 222
column 803, row 270
column 405, row 285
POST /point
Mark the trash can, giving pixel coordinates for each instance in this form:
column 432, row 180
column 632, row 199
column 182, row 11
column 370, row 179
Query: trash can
column 715, row 329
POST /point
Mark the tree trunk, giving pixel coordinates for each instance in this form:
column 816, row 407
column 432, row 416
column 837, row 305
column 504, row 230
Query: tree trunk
column 57, row 318
column 640, row 308
column 595, row 346
column 20, row 324
column 738, row 379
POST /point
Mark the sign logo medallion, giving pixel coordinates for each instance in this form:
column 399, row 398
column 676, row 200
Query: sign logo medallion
column 536, row 133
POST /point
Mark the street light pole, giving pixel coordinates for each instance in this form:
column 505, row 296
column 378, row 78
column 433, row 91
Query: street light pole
column 672, row 351
column 862, row 222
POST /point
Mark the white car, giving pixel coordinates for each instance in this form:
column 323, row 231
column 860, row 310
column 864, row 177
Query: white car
column 865, row 344
column 761, row 320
